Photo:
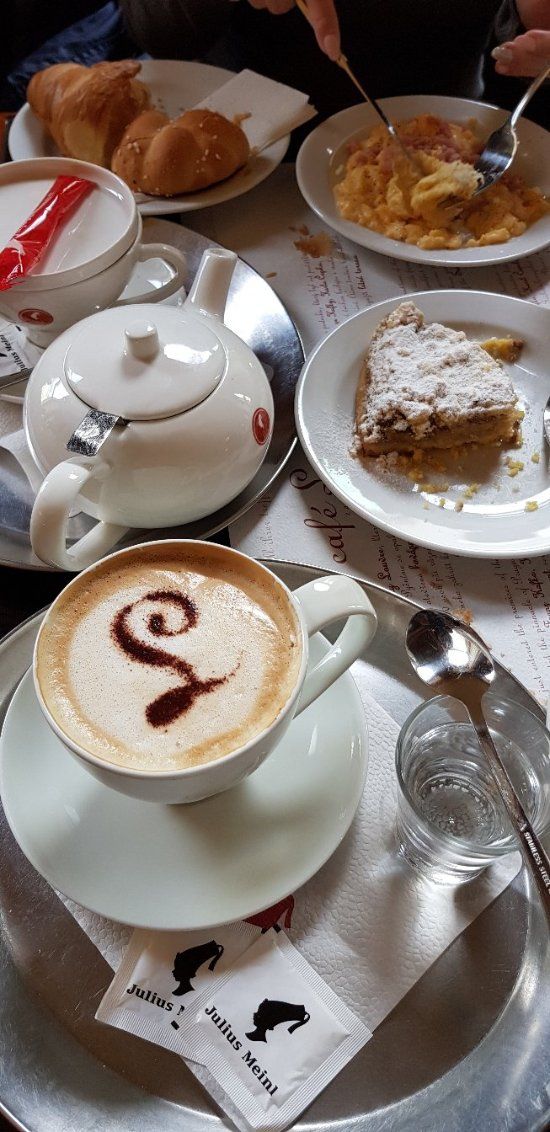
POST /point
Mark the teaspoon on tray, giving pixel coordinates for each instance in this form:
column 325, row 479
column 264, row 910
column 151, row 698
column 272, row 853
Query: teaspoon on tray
column 453, row 659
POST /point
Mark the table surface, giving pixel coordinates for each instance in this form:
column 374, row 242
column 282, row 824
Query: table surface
column 22, row 592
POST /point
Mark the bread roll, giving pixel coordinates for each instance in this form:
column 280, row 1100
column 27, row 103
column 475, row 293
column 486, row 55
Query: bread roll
column 165, row 158
column 87, row 109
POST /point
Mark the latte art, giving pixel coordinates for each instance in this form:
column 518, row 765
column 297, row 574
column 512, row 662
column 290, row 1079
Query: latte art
column 164, row 660
column 166, row 708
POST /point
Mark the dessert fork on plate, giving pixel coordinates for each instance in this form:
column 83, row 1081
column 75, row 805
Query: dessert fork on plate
column 500, row 148
column 546, row 424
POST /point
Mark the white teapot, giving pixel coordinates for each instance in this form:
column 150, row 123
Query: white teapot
column 168, row 412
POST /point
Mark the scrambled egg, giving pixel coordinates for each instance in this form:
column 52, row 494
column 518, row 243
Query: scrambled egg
column 429, row 203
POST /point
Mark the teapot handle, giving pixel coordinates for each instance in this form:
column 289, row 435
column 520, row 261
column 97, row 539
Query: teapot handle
column 50, row 516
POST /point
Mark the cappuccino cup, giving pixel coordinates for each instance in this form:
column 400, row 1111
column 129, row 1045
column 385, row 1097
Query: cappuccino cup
column 171, row 670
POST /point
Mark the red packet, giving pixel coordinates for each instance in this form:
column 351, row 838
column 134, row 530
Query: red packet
column 31, row 241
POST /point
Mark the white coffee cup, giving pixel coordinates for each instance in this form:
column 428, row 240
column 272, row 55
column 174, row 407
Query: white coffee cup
column 315, row 605
column 91, row 262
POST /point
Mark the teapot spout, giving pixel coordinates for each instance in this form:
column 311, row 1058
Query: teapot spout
column 212, row 281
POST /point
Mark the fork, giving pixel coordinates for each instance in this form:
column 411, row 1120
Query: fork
column 546, row 427
column 500, row 149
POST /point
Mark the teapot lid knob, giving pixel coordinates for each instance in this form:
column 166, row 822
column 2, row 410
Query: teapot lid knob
column 142, row 340
column 146, row 363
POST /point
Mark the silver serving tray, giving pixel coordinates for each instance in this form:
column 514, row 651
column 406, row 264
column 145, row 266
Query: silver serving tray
column 465, row 1051
column 256, row 314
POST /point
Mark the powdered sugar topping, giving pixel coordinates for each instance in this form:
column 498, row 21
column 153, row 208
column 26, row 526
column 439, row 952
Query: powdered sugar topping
column 424, row 377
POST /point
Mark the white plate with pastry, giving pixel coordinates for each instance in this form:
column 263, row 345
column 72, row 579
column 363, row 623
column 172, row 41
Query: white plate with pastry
column 171, row 87
column 390, row 383
column 348, row 175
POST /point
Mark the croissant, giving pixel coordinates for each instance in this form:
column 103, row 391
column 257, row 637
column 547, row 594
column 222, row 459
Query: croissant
column 164, row 157
column 87, row 109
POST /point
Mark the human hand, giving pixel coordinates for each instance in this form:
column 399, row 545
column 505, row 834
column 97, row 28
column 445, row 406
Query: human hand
column 322, row 17
column 526, row 55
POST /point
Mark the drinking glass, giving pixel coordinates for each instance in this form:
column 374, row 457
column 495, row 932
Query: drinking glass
column 451, row 823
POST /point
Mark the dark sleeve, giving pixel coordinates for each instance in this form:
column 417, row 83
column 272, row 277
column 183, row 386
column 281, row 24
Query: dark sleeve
column 175, row 29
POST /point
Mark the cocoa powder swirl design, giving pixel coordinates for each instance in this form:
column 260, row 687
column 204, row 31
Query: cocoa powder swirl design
column 170, row 705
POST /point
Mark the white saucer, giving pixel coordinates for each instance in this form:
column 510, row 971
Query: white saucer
column 325, row 151
column 493, row 522
column 175, row 86
column 184, row 867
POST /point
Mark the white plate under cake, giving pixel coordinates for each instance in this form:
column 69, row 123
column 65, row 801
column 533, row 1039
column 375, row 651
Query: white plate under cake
column 481, row 500
column 425, row 385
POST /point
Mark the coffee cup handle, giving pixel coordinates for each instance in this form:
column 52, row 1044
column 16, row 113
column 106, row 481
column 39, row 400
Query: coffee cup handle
column 50, row 516
column 174, row 258
column 321, row 602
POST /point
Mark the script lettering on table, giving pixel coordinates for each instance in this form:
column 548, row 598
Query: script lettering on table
column 324, row 518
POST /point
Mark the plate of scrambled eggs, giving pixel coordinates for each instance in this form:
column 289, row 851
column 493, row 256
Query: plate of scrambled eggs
column 358, row 181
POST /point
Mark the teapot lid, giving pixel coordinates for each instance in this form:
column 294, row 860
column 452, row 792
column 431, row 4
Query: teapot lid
column 144, row 362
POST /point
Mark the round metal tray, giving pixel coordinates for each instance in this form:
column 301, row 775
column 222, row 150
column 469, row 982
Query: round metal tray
column 465, row 1051
column 256, row 314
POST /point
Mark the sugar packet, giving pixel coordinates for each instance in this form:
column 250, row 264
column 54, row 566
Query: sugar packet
column 252, row 1019
column 163, row 974
column 270, row 1035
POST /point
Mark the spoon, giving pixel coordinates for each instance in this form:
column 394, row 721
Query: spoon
column 500, row 149
column 447, row 656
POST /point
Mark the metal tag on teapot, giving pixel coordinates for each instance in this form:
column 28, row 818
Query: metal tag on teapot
column 92, row 432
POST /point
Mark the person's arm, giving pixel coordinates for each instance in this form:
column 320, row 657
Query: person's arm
column 175, row 29
column 528, row 53
column 534, row 13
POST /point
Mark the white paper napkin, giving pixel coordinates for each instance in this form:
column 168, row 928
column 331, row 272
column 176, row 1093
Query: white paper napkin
column 367, row 924
column 17, row 467
column 274, row 109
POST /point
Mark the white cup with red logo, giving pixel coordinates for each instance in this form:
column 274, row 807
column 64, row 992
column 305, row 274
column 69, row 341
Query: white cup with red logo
column 90, row 260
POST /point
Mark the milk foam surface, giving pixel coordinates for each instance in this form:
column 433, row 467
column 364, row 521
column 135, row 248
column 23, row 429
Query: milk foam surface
column 239, row 631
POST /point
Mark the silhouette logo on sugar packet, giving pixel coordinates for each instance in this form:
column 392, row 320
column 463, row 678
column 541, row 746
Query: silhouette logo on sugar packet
column 187, row 963
column 271, row 1013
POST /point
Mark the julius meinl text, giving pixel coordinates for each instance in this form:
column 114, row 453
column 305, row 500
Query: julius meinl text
column 222, row 1025
column 248, row 1057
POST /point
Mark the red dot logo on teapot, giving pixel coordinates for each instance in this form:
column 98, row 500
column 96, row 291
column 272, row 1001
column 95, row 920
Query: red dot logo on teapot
column 260, row 425
column 35, row 315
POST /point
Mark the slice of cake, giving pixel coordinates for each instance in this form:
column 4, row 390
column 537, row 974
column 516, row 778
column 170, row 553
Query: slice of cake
column 424, row 385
